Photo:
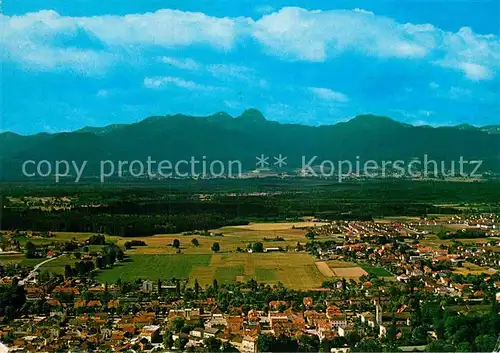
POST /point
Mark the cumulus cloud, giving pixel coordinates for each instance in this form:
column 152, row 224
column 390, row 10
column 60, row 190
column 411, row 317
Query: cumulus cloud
column 168, row 28
column 297, row 34
column 300, row 34
column 34, row 39
column 291, row 33
column 28, row 39
column 472, row 71
column 328, row 95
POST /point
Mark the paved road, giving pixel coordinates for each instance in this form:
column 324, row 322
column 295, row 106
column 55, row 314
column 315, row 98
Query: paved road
column 33, row 273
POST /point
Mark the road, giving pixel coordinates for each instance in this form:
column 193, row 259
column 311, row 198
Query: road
column 33, row 272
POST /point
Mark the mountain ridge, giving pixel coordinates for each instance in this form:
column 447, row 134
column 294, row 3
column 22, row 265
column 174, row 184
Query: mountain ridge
column 254, row 115
column 223, row 137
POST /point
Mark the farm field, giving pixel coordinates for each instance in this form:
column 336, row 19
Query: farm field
column 19, row 259
column 470, row 268
column 294, row 270
column 233, row 237
column 159, row 259
column 58, row 237
column 340, row 269
column 397, row 219
column 280, row 226
column 433, row 241
column 57, row 266
column 349, row 272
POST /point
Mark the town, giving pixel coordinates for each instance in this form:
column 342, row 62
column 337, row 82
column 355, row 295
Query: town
column 415, row 284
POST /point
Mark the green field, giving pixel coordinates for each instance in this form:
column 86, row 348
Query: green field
column 154, row 267
column 377, row 271
column 158, row 260
column 19, row 259
column 57, row 266
column 58, row 238
column 295, row 270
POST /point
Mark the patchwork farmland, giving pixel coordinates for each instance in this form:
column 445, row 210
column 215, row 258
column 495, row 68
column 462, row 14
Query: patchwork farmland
column 194, row 259
column 294, row 270
column 340, row 269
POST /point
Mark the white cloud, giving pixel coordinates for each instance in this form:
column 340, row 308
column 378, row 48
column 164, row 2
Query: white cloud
column 476, row 55
column 291, row 33
column 159, row 82
column 33, row 39
column 328, row 94
column 300, row 34
column 167, row 28
column 223, row 72
column 474, row 72
column 363, row 11
column 28, row 40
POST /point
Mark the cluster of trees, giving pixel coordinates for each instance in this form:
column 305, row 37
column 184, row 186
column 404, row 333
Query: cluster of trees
column 82, row 269
column 462, row 234
column 215, row 247
column 131, row 243
column 256, row 247
column 310, row 235
column 276, row 238
column 133, row 212
column 476, row 332
column 12, row 299
column 97, row 239
column 30, row 250
column 305, row 343
column 81, row 220
column 109, row 255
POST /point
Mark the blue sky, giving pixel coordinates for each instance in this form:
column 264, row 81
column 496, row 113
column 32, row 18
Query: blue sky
column 69, row 64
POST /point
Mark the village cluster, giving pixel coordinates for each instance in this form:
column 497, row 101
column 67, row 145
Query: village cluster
column 402, row 279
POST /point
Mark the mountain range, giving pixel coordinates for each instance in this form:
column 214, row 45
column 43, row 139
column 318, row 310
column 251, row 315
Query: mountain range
column 223, row 137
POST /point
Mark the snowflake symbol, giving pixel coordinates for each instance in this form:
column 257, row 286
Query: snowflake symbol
column 280, row 161
column 262, row 161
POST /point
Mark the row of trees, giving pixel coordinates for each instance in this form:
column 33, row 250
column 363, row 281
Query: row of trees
column 113, row 224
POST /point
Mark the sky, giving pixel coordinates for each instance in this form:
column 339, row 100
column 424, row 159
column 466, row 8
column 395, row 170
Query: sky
column 70, row 64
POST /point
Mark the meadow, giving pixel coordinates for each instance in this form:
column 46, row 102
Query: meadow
column 160, row 260
column 232, row 238
column 19, row 259
column 294, row 270
column 196, row 260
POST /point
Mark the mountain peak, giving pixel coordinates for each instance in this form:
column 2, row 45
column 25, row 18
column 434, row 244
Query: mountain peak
column 371, row 118
column 252, row 115
column 220, row 116
column 374, row 121
column 465, row 127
